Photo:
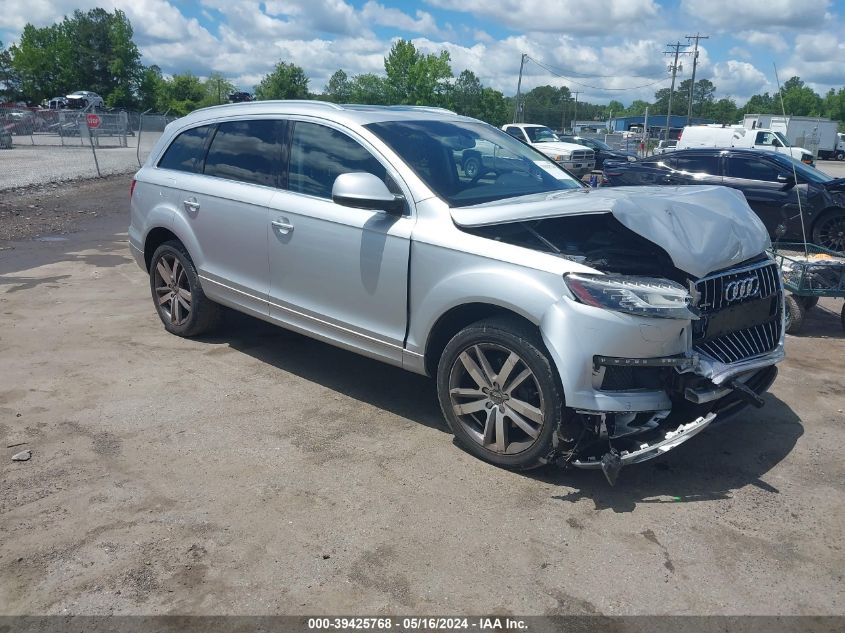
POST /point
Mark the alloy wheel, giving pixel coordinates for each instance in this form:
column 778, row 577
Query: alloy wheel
column 496, row 398
column 831, row 233
column 172, row 289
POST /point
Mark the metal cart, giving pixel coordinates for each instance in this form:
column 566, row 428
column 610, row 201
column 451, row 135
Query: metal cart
column 809, row 272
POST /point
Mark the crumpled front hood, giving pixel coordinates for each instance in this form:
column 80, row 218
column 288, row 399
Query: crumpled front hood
column 703, row 228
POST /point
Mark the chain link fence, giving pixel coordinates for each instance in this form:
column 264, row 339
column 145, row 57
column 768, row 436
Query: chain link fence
column 44, row 146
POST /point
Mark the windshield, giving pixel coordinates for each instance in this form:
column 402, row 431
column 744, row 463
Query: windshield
column 540, row 135
column 805, row 172
column 782, row 139
column 467, row 163
column 594, row 143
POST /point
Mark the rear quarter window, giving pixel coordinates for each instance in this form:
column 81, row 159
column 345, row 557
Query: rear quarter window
column 187, row 151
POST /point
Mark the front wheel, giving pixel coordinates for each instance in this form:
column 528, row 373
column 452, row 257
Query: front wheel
column 794, row 314
column 178, row 297
column 500, row 394
column 829, row 230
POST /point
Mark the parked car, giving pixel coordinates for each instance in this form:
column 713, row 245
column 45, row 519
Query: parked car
column 765, row 178
column 665, row 146
column 574, row 158
column 694, row 136
column 601, row 150
column 57, row 103
column 589, row 327
column 82, row 99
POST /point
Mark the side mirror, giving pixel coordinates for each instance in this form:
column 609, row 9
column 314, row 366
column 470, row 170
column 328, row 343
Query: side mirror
column 788, row 181
column 362, row 190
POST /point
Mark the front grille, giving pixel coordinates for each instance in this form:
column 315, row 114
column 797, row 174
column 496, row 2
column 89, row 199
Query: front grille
column 733, row 326
column 582, row 155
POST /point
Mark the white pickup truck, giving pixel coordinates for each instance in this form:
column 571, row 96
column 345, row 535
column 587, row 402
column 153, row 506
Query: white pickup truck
column 716, row 136
column 576, row 159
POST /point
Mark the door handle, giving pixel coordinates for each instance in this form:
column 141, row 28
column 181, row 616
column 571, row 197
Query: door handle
column 191, row 204
column 282, row 227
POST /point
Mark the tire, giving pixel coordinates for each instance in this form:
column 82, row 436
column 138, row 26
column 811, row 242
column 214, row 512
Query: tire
column 472, row 167
column 840, row 156
column 809, row 303
column 794, row 314
column 829, row 230
column 193, row 313
column 491, row 427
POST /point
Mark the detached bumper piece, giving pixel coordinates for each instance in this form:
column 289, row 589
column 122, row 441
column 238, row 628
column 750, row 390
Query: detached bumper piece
column 612, row 462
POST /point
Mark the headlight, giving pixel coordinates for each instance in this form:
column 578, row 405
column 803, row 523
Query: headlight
column 643, row 296
column 559, row 157
column 632, row 159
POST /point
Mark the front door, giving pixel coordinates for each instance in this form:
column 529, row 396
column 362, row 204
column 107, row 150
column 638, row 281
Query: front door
column 775, row 202
column 336, row 272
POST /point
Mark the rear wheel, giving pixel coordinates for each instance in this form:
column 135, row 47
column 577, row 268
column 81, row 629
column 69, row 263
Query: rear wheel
column 500, row 394
column 472, row 167
column 178, row 297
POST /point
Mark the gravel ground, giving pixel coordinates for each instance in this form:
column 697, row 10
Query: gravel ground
column 260, row 472
column 27, row 165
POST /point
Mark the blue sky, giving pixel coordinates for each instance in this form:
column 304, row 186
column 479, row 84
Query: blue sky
column 608, row 49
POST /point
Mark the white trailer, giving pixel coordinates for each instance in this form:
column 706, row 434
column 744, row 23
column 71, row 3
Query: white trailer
column 816, row 134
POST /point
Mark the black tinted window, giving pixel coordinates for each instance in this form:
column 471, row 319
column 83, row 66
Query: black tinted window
column 319, row 154
column 752, row 169
column 697, row 164
column 247, row 151
column 516, row 133
column 186, row 151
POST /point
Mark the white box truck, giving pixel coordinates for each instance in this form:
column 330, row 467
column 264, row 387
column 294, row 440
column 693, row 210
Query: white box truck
column 815, row 134
column 760, row 138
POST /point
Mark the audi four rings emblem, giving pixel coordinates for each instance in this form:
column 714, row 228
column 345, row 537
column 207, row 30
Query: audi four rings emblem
column 742, row 289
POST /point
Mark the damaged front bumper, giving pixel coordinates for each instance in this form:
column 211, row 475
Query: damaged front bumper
column 671, row 439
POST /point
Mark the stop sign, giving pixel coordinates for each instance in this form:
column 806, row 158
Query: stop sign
column 93, row 120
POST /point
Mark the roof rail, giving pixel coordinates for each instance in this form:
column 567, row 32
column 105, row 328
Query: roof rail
column 364, row 106
column 321, row 104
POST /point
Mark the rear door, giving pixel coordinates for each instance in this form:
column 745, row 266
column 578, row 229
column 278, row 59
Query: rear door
column 337, row 272
column 770, row 198
column 696, row 168
column 226, row 208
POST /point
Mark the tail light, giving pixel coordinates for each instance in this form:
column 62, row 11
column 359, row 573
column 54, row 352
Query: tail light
column 132, row 188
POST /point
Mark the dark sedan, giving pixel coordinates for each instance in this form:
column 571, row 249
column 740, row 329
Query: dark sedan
column 602, row 150
column 767, row 179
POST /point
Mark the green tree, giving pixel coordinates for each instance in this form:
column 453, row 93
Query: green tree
column 339, row 88
column 217, row 90
column 638, row 108
column 286, row 81
column 494, row 108
column 368, row 88
column 414, row 78
column 761, row 104
column 834, row 104
column 10, row 85
column 180, row 94
column 799, row 99
column 723, row 111
column 149, row 87
column 465, row 96
column 90, row 50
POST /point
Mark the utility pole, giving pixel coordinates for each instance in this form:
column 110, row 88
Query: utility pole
column 575, row 111
column 695, row 37
column 518, row 89
column 674, row 68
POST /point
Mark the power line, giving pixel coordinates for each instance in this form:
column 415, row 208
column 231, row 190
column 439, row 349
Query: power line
column 581, row 75
column 583, row 85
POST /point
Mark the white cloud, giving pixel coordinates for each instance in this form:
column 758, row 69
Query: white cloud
column 738, row 51
column 772, row 41
column 739, row 79
column 381, row 15
column 556, row 16
column 758, row 14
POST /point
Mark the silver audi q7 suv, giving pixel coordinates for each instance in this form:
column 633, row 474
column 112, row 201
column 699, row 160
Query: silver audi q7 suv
column 589, row 327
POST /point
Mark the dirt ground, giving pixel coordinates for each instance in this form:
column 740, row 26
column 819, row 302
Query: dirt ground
column 261, row 472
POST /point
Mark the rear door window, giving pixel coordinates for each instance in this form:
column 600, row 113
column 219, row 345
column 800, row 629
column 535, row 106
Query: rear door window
column 697, row 164
column 187, row 150
column 246, row 151
column 319, row 154
column 751, row 169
